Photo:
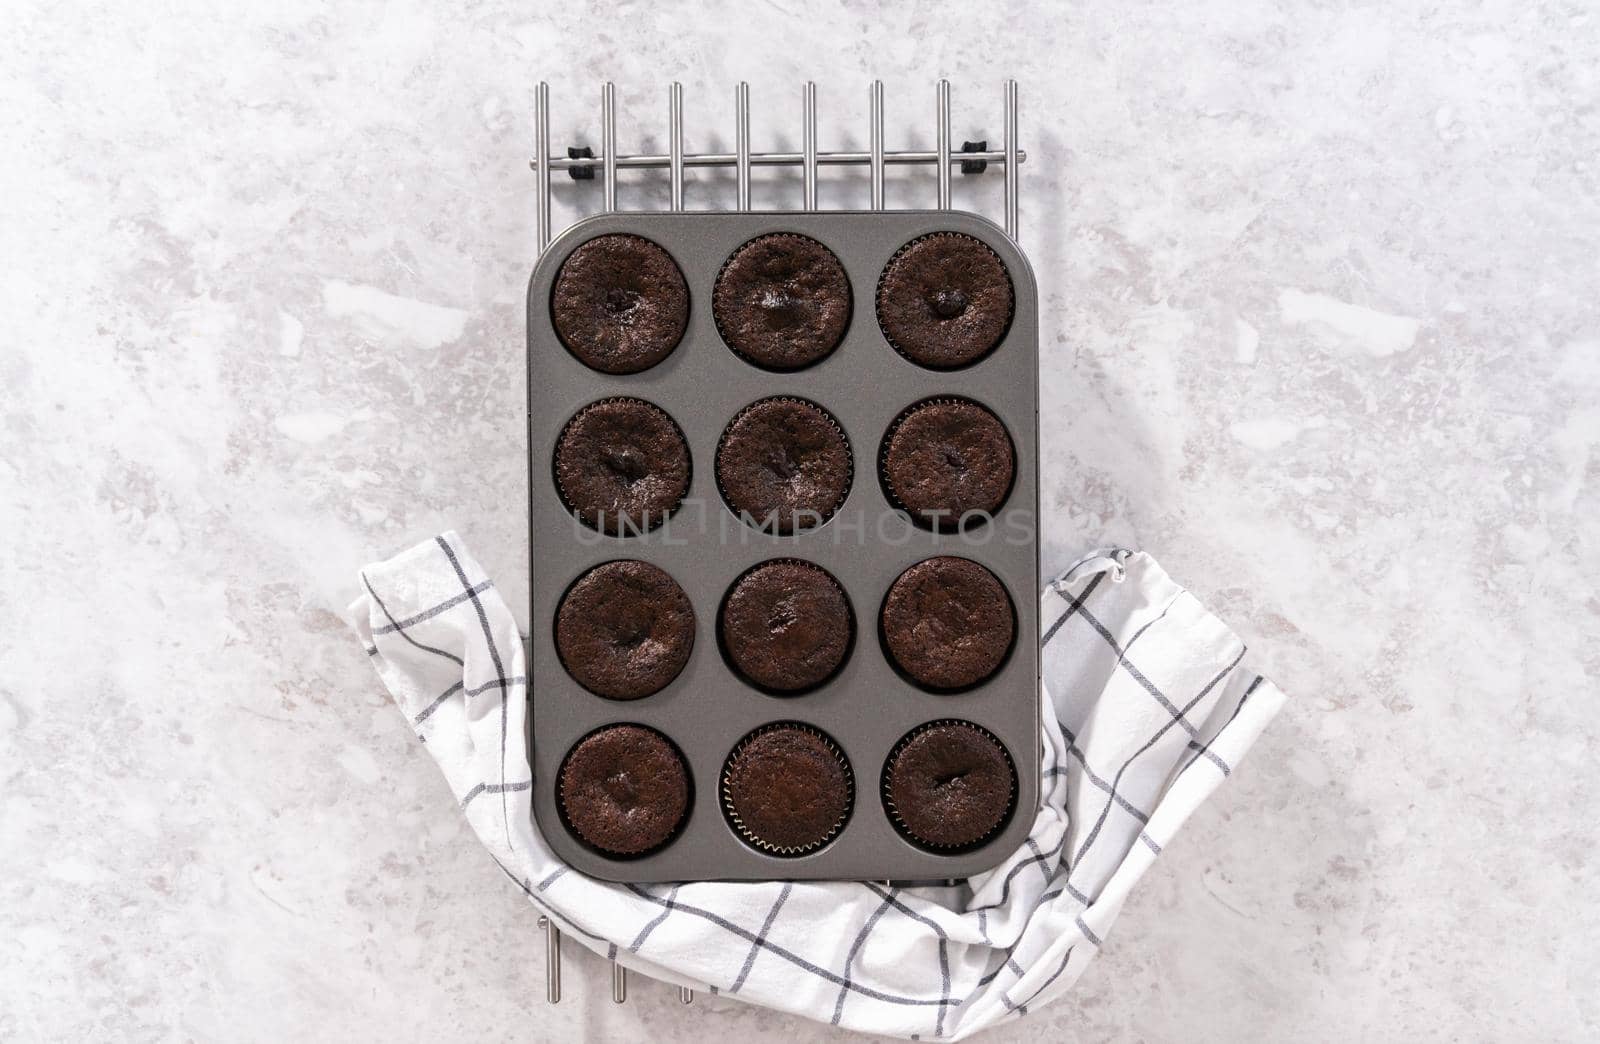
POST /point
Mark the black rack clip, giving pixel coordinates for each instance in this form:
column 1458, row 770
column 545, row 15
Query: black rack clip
column 586, row 171
column 977, row 166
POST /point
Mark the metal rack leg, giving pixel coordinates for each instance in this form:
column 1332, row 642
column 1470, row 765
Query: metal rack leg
column 741, row 106
column 619, row 983
column 552, row 960
column 675, row 141
column 1012, row 171
column 541, row 163
column 875, row 106
column 608, row 144
column 808, row 137
column 942, row 144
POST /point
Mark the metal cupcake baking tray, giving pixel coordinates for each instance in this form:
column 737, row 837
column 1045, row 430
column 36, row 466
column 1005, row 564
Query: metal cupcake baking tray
column 867, row 706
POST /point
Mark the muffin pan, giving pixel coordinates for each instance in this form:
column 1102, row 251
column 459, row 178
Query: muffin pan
column 865, row 707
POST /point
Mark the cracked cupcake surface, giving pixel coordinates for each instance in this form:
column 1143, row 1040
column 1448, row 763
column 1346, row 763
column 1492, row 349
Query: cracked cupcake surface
column 945, row 300
column 948, row 623
column 624, row 789
column 782, row 301
column 622, row 465
column 784, row 463
column 786, row 626
column 948, row 458
column 949, row 784
column 620, row 303
column 787, row 789
column 624, row 630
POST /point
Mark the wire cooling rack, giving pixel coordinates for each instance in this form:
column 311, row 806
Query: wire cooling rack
column 582, row 164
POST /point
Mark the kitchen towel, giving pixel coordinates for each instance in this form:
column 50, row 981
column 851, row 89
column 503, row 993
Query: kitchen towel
column 1147, row 708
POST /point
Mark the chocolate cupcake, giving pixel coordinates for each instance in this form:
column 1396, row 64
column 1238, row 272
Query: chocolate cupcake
column 945, row 300
column 949, row 785
column 620, row 303
column 945, row 460
column 624, row 630
column 782, row 301
column 787, row 789
column 621, row 465
column 624, row 789
column 786, row 626
column 785, row 464
column 948, row 623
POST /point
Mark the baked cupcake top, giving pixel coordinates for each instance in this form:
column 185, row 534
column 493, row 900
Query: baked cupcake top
column 620, row 303
column 785, row 463
column 622, row 465
column 948, row 623
column 787, row 789
column 949, row 784
column 945, row 300
column 786, row 625
column 624, row 789
column 945, row 458
column 782, row 301
column 624, row 630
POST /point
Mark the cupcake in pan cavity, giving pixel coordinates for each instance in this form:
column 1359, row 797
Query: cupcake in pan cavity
column 948, row 462
column 945, row 300
column 624, row 789
column 782, row 301
column 622, row 466
column 948, row 623
column 624, row 630
column 786, row 626
column 949, row 785
column 784, row 464
column 620, row 303
column 787, row 789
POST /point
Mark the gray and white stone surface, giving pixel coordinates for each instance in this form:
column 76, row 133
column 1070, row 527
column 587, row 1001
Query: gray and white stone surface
column 1319, row 292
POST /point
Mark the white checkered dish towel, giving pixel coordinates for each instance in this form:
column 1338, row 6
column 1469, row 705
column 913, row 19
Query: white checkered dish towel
column 1147, row 708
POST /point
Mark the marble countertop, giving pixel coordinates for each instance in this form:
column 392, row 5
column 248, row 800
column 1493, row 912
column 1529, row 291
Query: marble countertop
column 1319, row 298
